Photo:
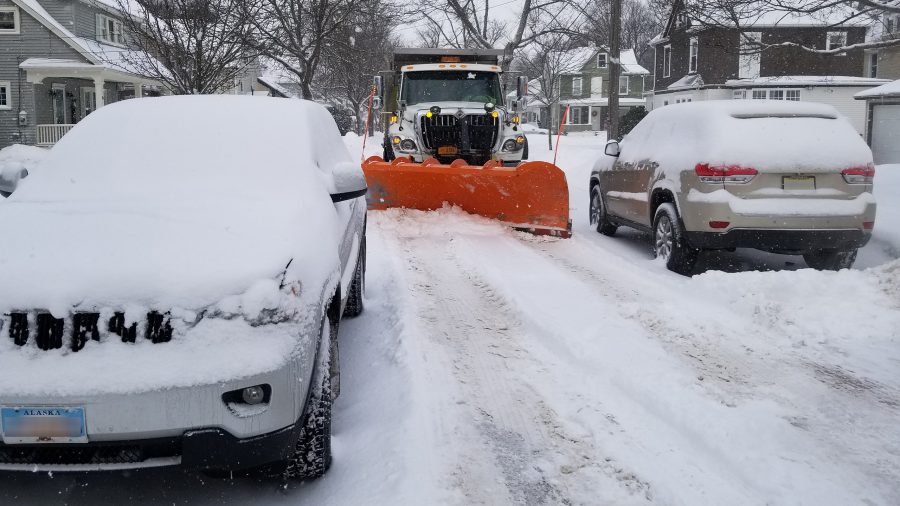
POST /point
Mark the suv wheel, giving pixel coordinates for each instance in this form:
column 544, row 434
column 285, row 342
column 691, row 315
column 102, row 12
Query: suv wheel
column 312, row 455
column 599, row 218
column 354, row 305
column 669, row 243
column 830, row 260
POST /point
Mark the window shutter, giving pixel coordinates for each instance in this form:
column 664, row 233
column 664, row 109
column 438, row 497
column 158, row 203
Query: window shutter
column 99, row 35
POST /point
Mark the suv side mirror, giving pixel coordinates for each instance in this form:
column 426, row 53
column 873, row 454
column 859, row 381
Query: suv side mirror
column 349, row 182
column 612, row 148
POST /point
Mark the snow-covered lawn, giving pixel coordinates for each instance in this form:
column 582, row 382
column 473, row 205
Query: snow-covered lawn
column 494, row 367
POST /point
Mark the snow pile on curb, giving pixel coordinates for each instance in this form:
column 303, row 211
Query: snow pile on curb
column 14, row 160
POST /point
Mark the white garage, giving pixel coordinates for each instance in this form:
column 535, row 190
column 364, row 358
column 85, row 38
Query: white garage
column 883, row 124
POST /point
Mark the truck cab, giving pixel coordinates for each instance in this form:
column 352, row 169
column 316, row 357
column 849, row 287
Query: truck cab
column 448, row 105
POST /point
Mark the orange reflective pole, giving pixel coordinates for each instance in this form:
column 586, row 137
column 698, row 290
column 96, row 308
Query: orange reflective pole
column 559, row 131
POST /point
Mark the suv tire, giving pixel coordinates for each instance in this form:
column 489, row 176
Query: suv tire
column 830, row 260
column 669, row 243
column 312, row 454
column 599, row 218
column 357, row 289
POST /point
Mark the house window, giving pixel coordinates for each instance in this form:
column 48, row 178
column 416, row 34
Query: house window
column 576, row 86
column 9, row 20
column 623, row 85
column 776, row 94
column 740, row 94
column 873, row 65
column 792, row 95
column 749, row 56
column 759, row 94
column 579, row 115
column 109, row 30
column 4, row 95
column 695, row 47
column 889, row 25
column 667, row 61
column 835, row 40
column 601, row 60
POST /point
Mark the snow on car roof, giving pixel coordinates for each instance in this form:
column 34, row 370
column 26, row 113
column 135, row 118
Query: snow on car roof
column 759, row 133
column 175, row 202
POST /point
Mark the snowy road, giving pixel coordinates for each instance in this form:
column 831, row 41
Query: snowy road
column 493, row 367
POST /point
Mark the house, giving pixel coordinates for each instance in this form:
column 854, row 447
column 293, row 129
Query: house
column 59, row 61
column 585, row 88
column 885, row 62
column 883, row 121
column 694, row 62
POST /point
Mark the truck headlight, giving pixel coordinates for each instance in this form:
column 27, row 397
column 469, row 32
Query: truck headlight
column 514, row 144
column 407, row 145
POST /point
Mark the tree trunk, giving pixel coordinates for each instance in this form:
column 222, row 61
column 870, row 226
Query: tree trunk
column 615, row 69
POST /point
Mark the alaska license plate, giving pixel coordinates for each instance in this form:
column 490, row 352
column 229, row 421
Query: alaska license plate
column 447, row 150
column 798, row 182
column 43, row 424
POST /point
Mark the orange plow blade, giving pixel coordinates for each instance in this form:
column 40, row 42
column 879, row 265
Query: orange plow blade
column 532, row 196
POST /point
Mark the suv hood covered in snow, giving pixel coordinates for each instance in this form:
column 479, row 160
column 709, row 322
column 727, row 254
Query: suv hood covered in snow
column 176, row 202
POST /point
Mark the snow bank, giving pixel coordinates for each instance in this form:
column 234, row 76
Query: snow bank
column 14, row 160
column 191, row 199
column 766, row 135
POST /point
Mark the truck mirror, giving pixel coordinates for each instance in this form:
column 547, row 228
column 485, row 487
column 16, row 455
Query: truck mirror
column 378, row 84
column 376, row 103
column 521, row 87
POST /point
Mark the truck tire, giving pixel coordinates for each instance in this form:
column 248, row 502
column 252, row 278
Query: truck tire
column 388, row 154
column 355, row 304
column 669, row 243
column 830, row 260
column 525, row 149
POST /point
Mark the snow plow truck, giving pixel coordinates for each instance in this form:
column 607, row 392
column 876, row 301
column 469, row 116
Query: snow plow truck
column 451, row 138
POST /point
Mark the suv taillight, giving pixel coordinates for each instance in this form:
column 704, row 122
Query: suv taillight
column 859, row 175
column 719, row 174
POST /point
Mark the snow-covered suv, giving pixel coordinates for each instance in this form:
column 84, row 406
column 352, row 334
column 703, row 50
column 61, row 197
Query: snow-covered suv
column 171, row 286
column 785, row 177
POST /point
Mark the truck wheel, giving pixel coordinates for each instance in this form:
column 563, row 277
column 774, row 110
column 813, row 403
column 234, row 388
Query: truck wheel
column 388, row 154
column 669, row 243
column 599, row 218
column 830, row 260
column 525, row 149
column 354, row 305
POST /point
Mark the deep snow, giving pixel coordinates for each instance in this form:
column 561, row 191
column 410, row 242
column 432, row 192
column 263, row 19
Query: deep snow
column 494, row 367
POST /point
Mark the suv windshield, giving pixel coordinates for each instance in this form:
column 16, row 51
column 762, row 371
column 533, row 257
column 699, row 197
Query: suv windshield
column 451, row 86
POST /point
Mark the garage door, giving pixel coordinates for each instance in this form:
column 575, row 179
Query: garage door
column 886, row 133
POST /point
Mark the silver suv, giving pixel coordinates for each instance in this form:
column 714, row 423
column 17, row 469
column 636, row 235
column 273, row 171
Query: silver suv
column 784, row 177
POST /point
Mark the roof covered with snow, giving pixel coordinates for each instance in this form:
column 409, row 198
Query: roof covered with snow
column 891, row 89
column 688, row 81
column 805, row 81
column 783, row 13
column 574, row 60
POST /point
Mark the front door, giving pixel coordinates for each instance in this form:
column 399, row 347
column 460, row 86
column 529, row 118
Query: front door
column 88, row 101
column 60, row 110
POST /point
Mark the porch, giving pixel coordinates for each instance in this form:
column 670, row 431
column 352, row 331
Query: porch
column 66, row 92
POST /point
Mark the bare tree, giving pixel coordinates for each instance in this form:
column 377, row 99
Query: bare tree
column 745, row 13
column 192, row 46
column 359, row 50
column 639, row 24
column 470, row 23
column 547, row 58
column 297, row 34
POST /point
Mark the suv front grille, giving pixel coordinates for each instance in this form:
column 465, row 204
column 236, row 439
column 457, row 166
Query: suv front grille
column 446, row 130
column 53, row 333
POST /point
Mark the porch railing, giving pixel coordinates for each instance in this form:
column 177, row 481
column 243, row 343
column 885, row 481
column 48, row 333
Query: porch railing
column 48, row 135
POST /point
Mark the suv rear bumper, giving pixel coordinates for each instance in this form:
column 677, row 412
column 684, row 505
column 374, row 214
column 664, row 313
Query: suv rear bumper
column 779, row 241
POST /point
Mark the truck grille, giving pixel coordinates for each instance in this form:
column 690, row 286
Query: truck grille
column 446, row 130
column 52, row 333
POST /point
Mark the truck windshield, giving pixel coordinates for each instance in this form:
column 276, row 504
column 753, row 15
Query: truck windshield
column 451, row 86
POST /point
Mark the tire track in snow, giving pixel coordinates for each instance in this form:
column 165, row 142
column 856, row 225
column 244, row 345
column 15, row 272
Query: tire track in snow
column 532, row 451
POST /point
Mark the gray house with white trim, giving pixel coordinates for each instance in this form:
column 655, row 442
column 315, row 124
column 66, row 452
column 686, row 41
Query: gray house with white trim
column 60, row 60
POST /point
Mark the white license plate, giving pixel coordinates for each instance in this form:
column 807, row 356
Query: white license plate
column 43, row 424
column 798, row 182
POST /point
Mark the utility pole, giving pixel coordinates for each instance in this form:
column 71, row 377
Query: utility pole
column 615, row 67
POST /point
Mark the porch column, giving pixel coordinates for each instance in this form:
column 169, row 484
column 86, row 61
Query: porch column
column 100, row 91
column 138, row 90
